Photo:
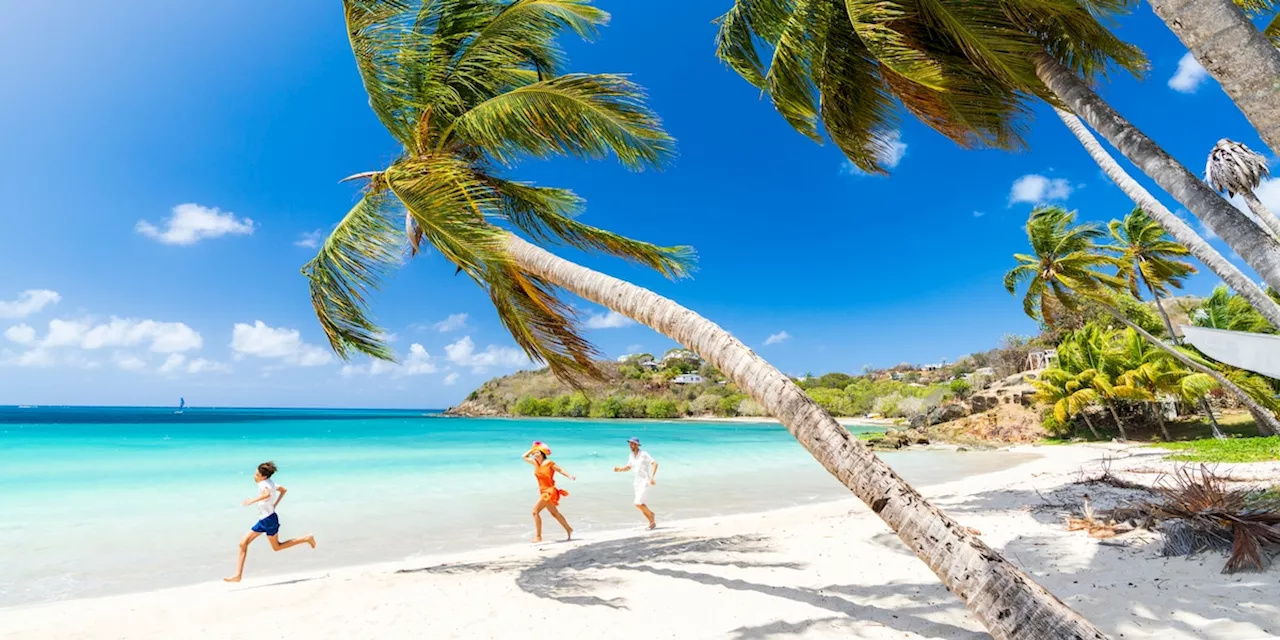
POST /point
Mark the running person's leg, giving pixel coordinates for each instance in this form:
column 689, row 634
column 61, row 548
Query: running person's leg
column 537, row 520
column 648, row 515
column 244, row 552
column 281, row 546
column 641, row 502
column 555, row 513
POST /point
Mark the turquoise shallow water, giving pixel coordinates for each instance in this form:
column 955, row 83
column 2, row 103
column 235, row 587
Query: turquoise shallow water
column 95, row 501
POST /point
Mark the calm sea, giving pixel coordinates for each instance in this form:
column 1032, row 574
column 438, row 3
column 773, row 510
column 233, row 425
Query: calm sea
column 97, row 501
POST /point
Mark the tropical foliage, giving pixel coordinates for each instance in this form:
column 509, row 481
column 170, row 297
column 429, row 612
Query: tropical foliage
column 1126, row 371
column 467, row 89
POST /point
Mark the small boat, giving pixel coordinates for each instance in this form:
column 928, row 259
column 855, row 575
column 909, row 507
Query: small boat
column 182, row 404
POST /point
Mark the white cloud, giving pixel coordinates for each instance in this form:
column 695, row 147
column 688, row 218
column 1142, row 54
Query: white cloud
column 310, row 239
column 173, row 363
column 777, row 338
column 1037, row 189
column 263, row 341
column 417, row 363
column 191, row 223
column 979, row 214
column 890, row 157
column 129, row 362
column 463, row 353
column 610, row 320
column 201, row 365
column 159, row 337
column 451, row 378
column 1189, row 75
column 452, row 323
column 28, row 302
column 21, row 334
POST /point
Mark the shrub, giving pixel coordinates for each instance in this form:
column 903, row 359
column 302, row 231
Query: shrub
column 728, row 406
column 961, row 387
column 576, row 405
column 610, row 407
column 751, row 408
column 633, row 407
column 631, row 371
column 704, row 404
column 533, row 407
column 661, row 408
column 835, row 402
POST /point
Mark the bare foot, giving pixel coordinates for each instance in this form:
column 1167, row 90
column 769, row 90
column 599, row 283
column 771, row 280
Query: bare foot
column 568, row 534
column 311, row 540
column 537, row 540
column 232, row 579
column 653, row 525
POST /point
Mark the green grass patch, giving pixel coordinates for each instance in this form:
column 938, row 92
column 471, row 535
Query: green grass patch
column 870, row 435
column 1229, row 450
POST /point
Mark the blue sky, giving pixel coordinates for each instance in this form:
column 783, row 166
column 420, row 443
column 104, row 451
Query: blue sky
column 163, row 164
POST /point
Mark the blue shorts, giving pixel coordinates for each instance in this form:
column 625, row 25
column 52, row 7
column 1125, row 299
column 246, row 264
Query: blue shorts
column 269, row 525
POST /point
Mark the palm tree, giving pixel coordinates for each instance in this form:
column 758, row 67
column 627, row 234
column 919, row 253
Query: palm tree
column 1229, row 312
column 968, row 70
column 1089, row 352
column 1070, row 395
column 1224, row 40
column 470, row 86
column 1064, row 267
column 1233, row 167
column 1149, row 259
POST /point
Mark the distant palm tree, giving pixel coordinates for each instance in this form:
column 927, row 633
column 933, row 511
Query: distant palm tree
column 1069, row 394
column 1229, row 312
column 1148, row 257
column 1223, row 38
column 467, row 88
column 1064, row 266
column 1089, row 352
column 1235, row 168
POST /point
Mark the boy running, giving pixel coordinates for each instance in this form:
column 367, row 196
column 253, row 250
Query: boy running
column 268, row 522
column 646, row 475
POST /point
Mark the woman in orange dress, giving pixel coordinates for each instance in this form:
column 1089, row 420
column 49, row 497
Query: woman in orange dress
column 549, row 496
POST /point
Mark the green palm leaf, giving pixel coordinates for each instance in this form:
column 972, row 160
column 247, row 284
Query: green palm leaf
column 581, row 115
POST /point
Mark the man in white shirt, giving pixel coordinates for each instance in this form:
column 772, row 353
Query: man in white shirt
column 646, row 473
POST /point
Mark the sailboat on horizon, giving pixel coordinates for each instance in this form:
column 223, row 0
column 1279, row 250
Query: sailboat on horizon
column 182, row 404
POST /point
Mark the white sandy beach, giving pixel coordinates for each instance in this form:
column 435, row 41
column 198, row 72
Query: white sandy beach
column 821, row 571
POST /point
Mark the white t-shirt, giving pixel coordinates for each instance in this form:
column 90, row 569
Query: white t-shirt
column 268, row 506
column 642, row 466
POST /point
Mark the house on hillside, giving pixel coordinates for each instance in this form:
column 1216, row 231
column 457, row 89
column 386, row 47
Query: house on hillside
column 930, row 367
column 687, row 378
column 682, row 354
column 650, row 365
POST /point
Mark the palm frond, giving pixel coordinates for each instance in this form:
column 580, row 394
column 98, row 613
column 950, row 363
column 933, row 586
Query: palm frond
column 856, row 106
column 581, row 115
column 348, row 267
column 542, row 324
column 1272, row 32
column 548, row 214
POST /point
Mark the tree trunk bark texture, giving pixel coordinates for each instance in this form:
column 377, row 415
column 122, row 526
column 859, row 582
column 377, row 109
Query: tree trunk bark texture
column 1181, row 231
column 1228, row 45
column 1087, row 421
column 1004, row 598
column 1259, row 250
column 1213, row 420
column 1266, row 218
column 1115, row 415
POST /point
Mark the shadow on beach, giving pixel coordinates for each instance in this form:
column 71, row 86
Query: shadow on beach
column 578, row 576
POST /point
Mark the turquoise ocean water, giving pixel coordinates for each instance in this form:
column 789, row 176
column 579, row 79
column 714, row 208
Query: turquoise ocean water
column 95, row 501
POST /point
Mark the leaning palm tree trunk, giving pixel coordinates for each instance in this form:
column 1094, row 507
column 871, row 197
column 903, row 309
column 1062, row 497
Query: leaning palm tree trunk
column 1111, row 406
column 1158, row 410
column 1213, row 420
column 1164, row 315
column 1260, row 211
column 1259, row 250
column 1089, row 423
column 1267, row 422
column 1227, row 44
column 1004, row 598
column 1180, row 230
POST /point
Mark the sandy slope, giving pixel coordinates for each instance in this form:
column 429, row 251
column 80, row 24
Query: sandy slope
column 821, row 571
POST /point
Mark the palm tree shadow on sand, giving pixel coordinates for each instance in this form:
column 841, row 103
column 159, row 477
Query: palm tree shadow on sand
column 576, row 576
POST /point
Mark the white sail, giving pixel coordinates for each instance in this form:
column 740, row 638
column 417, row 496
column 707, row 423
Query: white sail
column 1256, row 352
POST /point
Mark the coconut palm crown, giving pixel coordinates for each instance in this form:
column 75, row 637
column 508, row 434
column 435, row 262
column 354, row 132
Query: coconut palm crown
column 1063, row 266
column 467, row 88
column 1149, row 258
column 1235, row 168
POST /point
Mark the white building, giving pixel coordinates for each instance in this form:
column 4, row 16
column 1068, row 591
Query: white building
column 687, row 378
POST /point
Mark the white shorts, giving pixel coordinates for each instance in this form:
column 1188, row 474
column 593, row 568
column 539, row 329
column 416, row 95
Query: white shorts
column 642, row 492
